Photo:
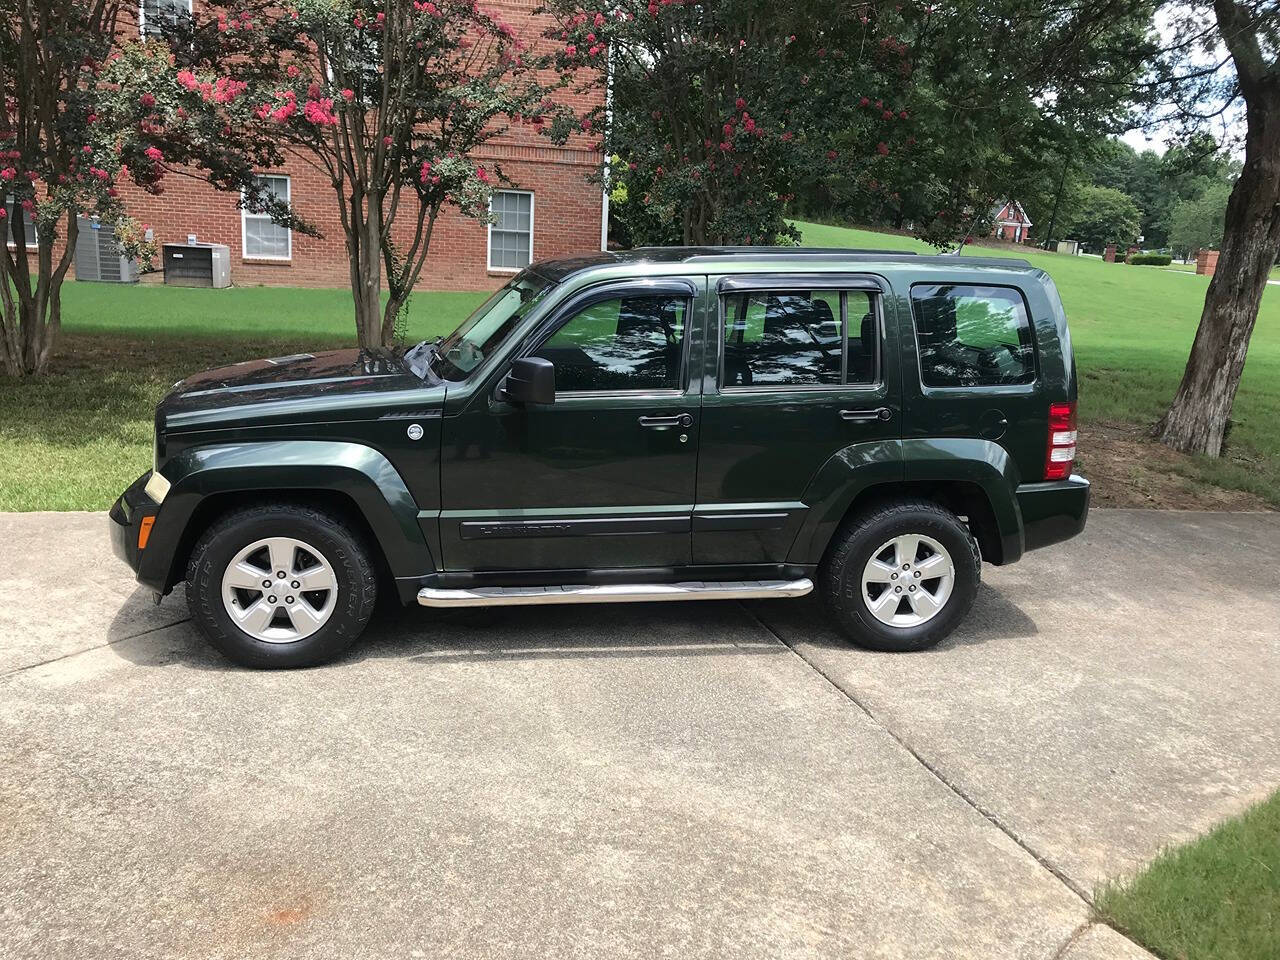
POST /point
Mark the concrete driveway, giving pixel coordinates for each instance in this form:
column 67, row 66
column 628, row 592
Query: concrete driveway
column 687, row 780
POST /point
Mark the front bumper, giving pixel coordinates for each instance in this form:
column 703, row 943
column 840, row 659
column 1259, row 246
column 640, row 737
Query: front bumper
column 1054, row 511
column 126, row 516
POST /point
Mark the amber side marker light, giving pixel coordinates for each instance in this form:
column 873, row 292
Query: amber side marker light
column 144, row 531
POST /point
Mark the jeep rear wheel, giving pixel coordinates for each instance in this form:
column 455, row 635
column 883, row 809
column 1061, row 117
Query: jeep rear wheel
column 280, row 585
column 901, row 576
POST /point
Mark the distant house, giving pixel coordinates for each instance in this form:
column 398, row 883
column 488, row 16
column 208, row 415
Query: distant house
column 1010, row 222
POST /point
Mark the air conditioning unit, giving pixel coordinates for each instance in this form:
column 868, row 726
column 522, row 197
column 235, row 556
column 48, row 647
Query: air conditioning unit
column 197, row 264
column 98, row 256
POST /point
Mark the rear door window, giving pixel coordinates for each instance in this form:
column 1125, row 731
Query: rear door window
column 972, row 336
column 797, row 338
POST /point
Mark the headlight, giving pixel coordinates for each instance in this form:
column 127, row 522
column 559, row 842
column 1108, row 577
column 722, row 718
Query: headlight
column 157, row 487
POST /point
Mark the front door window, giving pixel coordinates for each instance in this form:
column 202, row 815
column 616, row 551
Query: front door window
column 624, row 343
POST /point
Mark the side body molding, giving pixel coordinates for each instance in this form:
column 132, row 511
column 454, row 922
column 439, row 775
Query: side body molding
column 353, row 470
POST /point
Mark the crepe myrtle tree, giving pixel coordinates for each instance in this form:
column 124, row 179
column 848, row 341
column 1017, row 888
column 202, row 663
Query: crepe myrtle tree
column 717, row 111
column 389, row 99
column 87, row 108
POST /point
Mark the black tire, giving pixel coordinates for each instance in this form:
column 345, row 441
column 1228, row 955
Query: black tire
column 356, row 575
column 840, row 577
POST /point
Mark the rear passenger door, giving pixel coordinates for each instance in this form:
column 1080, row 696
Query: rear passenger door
column 974, row 370
column 796, row 373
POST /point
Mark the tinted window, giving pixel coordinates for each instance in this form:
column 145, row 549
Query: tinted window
column 627, row 343
column 788, row 337
column 972, row 336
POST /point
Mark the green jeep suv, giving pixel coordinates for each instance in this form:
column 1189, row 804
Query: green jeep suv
column 664, row 424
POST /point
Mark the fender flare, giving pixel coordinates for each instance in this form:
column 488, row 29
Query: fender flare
column 358, row 472
column 890, row 463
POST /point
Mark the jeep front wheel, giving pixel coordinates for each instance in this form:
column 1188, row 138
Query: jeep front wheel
column 901, row 576
column 280, row 585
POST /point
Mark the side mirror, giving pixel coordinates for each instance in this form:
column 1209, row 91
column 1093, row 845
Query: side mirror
column 530, row 380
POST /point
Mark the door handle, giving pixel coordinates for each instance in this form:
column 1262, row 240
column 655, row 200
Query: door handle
column 667, row 423
column 880, row 413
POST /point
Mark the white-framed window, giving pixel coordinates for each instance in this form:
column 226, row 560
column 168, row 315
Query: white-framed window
column 7, row 224
column 511, row 232
column 154, row 14
column 260, row 238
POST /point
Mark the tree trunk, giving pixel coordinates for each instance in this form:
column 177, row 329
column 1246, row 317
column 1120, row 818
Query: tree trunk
column 365, row 262
column 1198, row 418
column 32, row 316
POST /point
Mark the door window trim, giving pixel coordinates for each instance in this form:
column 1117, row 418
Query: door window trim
column 804, row 283
column 611, row 290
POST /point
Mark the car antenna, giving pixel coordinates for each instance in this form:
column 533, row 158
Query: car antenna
column 965, row 236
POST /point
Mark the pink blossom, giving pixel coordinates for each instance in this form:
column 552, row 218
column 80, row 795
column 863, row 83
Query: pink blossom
column 831, row 154
column 188, row 79
column 425, row 172
column 586, row 124
column 263, row 111
column 594, row 50
column 348, row 94
column 32, row 176
column 725, row 146
column 7, row 173
column 749, row 126
column 571, row 51
column 29, row 206
column 482, row 174
column 313, row 91
column 147, row 100
column 91, row 118
column 728, row 129
column 3, row 214
column 887, row 115
column 883, row 149
column 292, row 70
column 864, row 102
column 787, row 136
column 653, row 9
column 112, row 192
column 740, row 104
column 386, row 141
column 599, row 20
column 320, row 112
column 286, row 110
column 155, row 154
column 86, row 149
column 903, row 114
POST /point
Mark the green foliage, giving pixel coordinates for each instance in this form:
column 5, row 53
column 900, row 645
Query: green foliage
column 1198, row 224
column 1217, row 898
column 1102, row 215
column 719, row 110
column 1150, row 260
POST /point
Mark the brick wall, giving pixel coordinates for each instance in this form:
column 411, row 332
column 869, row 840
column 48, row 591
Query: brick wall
column 567, row 207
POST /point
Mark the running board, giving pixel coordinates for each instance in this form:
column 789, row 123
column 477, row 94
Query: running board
column 615, row 593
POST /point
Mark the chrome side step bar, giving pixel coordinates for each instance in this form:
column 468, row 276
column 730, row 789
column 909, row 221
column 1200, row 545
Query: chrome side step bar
column 614, row 593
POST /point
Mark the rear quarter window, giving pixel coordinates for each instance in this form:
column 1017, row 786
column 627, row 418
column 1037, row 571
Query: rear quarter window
column 972, row 336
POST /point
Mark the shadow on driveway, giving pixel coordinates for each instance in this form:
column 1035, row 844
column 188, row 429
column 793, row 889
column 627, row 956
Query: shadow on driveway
column 571, row 631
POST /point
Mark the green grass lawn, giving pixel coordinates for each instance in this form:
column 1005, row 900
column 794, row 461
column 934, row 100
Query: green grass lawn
column 75, row 439
column 1217, row 898
column 1132, row 328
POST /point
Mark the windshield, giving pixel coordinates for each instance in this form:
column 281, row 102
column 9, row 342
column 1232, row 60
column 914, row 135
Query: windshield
column 482, row 332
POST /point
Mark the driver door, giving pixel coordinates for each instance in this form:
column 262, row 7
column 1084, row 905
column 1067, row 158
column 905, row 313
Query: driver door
column 603, row 477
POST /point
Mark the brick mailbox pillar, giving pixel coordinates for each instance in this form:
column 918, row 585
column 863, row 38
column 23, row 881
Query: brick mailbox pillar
column 1207, row 262
column 1109, row 255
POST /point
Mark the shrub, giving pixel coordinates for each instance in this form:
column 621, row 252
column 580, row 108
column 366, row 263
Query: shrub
column 1151, row 259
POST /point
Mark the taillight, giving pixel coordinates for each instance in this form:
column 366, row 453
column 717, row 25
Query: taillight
column 1062, row 441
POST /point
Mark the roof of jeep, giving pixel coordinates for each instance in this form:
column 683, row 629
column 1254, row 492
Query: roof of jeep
column 729, row 258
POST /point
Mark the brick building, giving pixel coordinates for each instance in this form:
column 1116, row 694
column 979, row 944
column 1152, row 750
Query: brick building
column 551, row 210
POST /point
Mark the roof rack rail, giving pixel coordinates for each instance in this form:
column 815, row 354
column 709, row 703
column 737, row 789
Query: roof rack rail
column 793, row 253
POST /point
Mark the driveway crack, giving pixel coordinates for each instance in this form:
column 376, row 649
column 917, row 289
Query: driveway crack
column 96, row 646
column 937, row 774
